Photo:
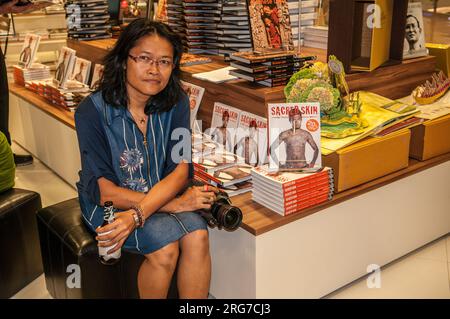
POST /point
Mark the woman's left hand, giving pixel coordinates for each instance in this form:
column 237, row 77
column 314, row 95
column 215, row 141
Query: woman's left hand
column 119, row 230
column 196, row 198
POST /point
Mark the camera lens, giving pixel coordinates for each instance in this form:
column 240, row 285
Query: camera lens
column 230, row 217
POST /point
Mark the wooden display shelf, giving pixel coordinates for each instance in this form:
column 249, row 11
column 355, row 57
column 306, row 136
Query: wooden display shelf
column 257, row 218
column 393, row 82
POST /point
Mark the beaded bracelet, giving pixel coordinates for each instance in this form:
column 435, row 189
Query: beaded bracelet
column 140, row 214
column 136, row 219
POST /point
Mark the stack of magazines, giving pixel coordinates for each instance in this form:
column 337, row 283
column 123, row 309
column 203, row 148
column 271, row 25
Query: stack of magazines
column 274, row 69
column 287, row 192
column 88, row 19
column 213, row 165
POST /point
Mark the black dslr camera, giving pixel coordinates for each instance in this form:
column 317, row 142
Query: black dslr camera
column 222, row 214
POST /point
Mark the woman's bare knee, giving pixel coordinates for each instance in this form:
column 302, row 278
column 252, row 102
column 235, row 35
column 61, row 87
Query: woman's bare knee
column 197, row 241
column 165, row 257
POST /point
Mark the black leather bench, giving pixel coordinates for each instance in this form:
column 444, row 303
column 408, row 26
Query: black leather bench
column 20, row 255
column 68, row 246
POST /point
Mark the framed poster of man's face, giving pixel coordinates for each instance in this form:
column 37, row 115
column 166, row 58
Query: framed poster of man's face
column 414, row 43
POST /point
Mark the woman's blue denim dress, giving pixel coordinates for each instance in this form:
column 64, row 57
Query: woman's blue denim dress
column 111, row 146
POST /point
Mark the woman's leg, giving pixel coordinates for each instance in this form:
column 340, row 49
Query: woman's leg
column 194, row 267
column 156, row 272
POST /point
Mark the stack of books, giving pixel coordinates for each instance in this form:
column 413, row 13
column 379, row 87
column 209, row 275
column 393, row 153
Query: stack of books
column 175, row 17
column 213, row 165
column 302, row 18
column 267, row 69
column 38, row 87
column 202, row 18
column 234, row 28
column 88, row 19
column 69, row 97
column 288, row 192
column 315, row 37
column 36, row 72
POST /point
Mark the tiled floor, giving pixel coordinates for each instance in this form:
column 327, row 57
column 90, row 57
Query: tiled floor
column 421, row 274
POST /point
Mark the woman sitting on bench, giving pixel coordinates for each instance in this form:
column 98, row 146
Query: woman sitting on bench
column 135, row 148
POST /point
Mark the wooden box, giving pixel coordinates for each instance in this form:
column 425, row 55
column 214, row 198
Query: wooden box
column 349, row 39
column 430, row 139
column 368, row 159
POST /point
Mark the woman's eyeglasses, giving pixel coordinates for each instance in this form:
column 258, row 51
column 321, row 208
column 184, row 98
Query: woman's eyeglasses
column 162, row 64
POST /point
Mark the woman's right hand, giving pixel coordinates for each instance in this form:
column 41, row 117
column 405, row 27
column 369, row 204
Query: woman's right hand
column 117, row 232
column 196, row 197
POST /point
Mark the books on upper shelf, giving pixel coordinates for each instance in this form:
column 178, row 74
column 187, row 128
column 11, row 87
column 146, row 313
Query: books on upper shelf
column 414, row 43
column 234, row 27
column 294, row 136
column 267, row 69
column 201, row 18
column 88, row 20
column 195, row 94
column 29, row 49
column 224, row 124
column 65, row 65
column 250, row 57
column 251, row 139
column 81, row 70
column 289, row 192
column 270, row 25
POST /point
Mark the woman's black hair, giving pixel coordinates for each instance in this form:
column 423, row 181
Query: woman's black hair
column 113, row 84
